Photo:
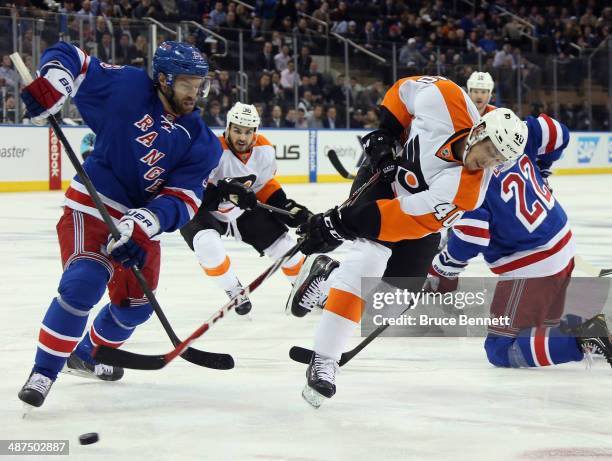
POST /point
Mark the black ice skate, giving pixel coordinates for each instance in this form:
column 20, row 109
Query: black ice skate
column 244, row 303
column 35, row 390
column 321, row 380
column 594, row 336
column 79, row 367
column 306, row 292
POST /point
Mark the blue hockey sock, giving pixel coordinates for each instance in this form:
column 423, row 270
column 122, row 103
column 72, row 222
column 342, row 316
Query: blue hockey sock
column 112, row 326
column 81, row 286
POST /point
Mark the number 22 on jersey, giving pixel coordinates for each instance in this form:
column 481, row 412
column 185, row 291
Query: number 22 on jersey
column 516, row 185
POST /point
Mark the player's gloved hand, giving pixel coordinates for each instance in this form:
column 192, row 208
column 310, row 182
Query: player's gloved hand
column 46, row 95
column 299, row 214
column 378, row 146
column 240, row 195
column 136, row 227
column 323, row 232
column 439, row 283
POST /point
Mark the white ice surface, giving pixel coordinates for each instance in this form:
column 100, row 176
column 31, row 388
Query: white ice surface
column 429, row 399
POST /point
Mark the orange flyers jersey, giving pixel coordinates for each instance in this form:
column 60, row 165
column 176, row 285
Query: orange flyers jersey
column 432, row 187
column 256, row 169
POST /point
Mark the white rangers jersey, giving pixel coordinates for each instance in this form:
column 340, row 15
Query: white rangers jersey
column 255, row 168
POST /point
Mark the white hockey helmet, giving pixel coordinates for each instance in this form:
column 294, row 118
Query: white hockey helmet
column 480, row 81
column 507, row 132
column 243, row 115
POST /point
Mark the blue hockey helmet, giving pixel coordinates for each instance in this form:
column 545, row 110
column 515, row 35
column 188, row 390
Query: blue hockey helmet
column 177, row 58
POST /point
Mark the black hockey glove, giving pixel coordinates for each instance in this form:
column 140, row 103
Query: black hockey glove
column 378, row 146
column 299, row 214
column 323, row 232
column 233, row 190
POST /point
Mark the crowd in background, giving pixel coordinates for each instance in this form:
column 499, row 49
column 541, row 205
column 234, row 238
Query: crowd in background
column 285, row 40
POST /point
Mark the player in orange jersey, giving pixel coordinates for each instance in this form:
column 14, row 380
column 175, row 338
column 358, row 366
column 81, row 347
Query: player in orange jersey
column 442, row 168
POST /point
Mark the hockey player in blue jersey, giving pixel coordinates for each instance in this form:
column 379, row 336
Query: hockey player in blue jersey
column 524, row 235
column 152, row 156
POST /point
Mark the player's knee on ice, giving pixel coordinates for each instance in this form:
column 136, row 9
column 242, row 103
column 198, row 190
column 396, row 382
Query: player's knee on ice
column 83, row 284
column 533, row 348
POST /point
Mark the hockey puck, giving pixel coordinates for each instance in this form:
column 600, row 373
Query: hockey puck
column 89, row 438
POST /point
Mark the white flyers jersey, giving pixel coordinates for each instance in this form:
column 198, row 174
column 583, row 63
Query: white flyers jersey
column 432, row 187
column 255, row 168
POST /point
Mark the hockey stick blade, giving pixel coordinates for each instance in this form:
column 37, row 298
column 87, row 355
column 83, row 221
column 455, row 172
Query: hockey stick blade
column 127, row 359
column 303, row 355
column 605, row 272
column 337, row 164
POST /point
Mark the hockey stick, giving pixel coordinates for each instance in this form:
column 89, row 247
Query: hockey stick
column 586, row 267
column 202, row 358
column 337, row 164
column 126, row 359
column 303, row 355
column 274, row 209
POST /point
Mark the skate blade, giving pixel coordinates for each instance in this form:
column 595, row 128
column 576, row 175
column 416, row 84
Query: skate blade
column 27, row 409
column 80, row 373
column 313, row 397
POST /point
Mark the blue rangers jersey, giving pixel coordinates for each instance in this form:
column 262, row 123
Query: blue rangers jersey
column 521, row 229
column 143, row 156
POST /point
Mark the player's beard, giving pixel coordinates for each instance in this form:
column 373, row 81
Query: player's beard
column 177, row 105
column 245, row 150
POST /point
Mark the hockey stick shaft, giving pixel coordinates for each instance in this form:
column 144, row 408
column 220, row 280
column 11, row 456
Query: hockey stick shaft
column 194, row 356
column 304, row 355
column 274, row 209
column 337, row 164
column 133, row 360
column 586, row 267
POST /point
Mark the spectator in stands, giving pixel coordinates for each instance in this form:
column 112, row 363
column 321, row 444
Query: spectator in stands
column 124, row 8
column 315, row 87
column 322, row 14
column 307, row 102
column 105, row 48
column 222, row 86
column 8, row 76
column 276, row 85
column 300, row 118
column 289, row 78
column 330, row 118
column 290, row 118
column 218, row 15
column 9, row 109
column 305, row 34
column 305, row 60
column 146, row 8
column 256, row 34
column 126, row 53
column 487, row 44
column 213, row 117
column 371, row 119
column 265, row 59
column 266, row 9
column 370, row 37
column 410, row 56
column 282, row 58
column 141, row 46
column 505, row 58
column 276, row 117
column 124, row 29
column 86, row 13
column 263, row 91
column 315, row 118
column 286, row 26
column 357, row 119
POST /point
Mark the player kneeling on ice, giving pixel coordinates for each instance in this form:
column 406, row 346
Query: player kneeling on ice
column 444, row 168
column 244, row 176
column 151, row 156
column 524, row 235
